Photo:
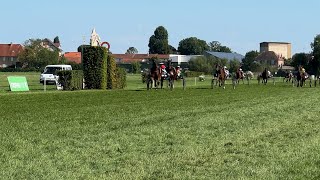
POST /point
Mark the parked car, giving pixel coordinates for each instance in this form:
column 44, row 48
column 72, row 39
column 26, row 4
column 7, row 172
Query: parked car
column 49, row 74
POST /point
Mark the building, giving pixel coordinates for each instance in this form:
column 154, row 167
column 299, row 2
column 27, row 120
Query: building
column 9, row 54
column 270, row 58
column 47, row 43
column 74, row 57
column 224, row 55
column 180, row 59
column 282, row 49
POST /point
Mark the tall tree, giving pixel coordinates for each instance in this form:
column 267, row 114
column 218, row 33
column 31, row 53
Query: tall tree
column 300, row 59
column 173, row 50
column 217, row 47
column 158, row 42
column 132, row 50
column 248, row 61
column 234, row 65
column 192, row 46
column 315, row 59
column 35, row 55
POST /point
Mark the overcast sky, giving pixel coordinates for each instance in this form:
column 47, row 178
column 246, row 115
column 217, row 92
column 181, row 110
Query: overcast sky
column 238, row 24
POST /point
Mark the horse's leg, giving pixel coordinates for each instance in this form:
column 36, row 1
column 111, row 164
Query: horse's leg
column 224, row 81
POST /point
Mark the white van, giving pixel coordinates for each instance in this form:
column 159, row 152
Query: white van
column 49, row 73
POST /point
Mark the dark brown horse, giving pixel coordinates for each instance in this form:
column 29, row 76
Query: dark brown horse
column 172, row 74
column 239, row 75
column 264, row 76
column 302, row 76
column 154, row 75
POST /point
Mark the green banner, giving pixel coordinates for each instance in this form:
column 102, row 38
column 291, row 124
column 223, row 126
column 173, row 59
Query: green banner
column 18, row 83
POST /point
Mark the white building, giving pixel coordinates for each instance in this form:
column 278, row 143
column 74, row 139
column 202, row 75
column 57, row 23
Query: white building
column 182, row 58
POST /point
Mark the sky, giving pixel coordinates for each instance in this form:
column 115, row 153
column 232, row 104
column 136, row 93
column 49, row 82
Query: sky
column 238, row 24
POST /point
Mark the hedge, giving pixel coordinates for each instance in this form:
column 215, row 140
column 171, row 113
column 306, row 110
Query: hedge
column 95, row 67
column 121, row 78
column 71, row 80
column 111, row 73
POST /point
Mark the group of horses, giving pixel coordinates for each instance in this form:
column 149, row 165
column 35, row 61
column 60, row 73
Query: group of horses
column 156, row 76
column 299, row 77
column 222, row 74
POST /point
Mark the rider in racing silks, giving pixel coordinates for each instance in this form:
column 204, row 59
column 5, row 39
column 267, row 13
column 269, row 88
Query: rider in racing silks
column 163, row 70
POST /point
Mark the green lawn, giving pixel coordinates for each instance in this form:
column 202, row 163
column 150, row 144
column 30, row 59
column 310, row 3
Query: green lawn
column 252, row 132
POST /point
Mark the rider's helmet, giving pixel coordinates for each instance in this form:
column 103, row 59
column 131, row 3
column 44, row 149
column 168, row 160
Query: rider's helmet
column 225, row 67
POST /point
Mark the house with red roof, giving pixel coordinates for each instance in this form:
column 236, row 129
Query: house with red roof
column 9, row 54
column 74, row 57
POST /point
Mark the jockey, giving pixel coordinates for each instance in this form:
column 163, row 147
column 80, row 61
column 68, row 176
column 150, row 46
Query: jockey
column 163, row 70
column 226, row 71
column 178, row 71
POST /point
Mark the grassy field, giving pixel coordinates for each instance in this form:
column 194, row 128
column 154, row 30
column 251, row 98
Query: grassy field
column 252, row 132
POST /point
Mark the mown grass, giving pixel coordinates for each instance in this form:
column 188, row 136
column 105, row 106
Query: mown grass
column 252, row 132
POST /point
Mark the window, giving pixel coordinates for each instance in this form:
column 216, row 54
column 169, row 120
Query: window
column 11, row 59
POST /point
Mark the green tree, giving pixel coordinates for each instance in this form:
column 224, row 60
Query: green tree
column 37, row 56
column 192, row 46
column 300, row 59
column 217, row 47
column 315, row 58
column 132, row 50
column 158, row 42
column 234, row 65
column 136, row 67
column 173, row 50
column 247, row 62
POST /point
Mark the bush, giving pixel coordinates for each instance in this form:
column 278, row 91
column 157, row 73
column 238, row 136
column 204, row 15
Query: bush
column 71, row 80
column 121, row 78
column 32, row 69
column 95, row 67
column 193, row 74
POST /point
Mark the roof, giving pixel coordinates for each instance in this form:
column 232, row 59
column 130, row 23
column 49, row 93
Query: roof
column 73, row 57
column 10, row 50
column 127, row 58
column 229, row 56
column 267, row 55
column 275, row 43
column 56, row 45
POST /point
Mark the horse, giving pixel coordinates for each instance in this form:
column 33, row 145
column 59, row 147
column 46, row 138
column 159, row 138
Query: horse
column 169, row 73
column 239, row 75
column 249, row 75
column 301, row 77
column 264, row 76
column 172, row 74
column 288, row 77
column 154, row 75
column 222, row 77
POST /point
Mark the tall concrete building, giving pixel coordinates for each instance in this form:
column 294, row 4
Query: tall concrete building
column 282, row 49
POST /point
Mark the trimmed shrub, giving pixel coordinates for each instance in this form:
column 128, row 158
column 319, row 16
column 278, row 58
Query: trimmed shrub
column 121, row 78
column 95, row 67
column 20, row 69
column 71, row 80
column 111, row 73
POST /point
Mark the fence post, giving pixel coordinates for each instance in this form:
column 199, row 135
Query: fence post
column 44, row 84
